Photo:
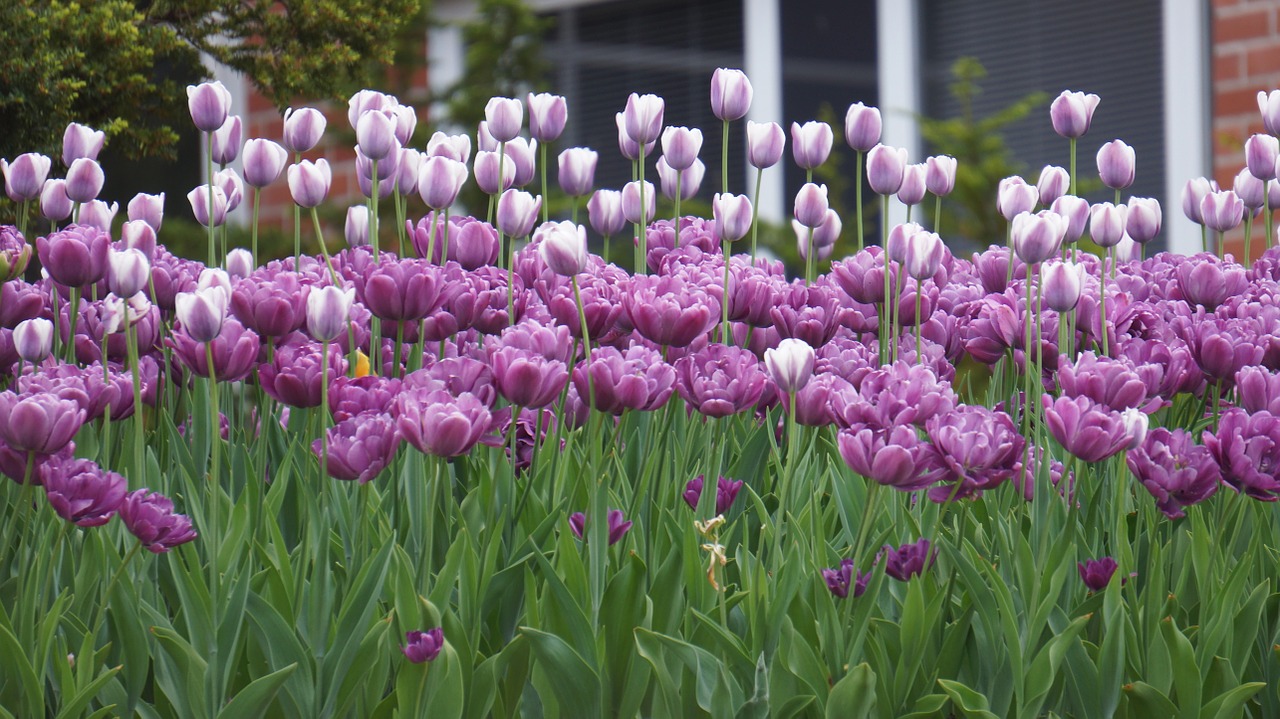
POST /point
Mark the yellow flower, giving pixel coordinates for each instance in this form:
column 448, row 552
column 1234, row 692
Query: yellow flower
column 362, row 364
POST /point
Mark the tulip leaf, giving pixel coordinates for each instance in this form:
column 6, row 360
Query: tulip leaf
column 257, row 696
column 574, row 682
column 967, row 701
column 854, row 696
column 1231, row 702
column 1147, row 702
column 1185, row 672
column 29, row 695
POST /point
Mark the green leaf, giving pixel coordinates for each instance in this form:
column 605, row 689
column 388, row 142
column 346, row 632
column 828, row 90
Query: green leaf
column 1147, row 702
column 13, row 658
column 1044, row 668
column 967, row 701
column 1229, row 703
column 854, row 696
column 574, row 682
column 353, row 621
column 1185, row 672
column 76, row 705
column 257, row 696
column 714, row 689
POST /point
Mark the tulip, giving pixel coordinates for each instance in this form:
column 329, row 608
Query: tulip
column 885, row 167
column 732, row 215
column 84, row 180
column 1037, row 237
column 912, row 190
column 547, row 116
column 454, row 147
column 226, row 140
column 404, row 290
column 202, row 313
column 24, row 178
column 520, row 153
column 298, row 373
column 862, row 126
column 726, row 492
column 563, row 246
column 825, row 235
column 376, row 134
column 940, row 175
column 303, row 129
column 642, row 118
column 1107, row 223
column 149, row 517
column 1260, row 155
column 96, row 213
column 1053, row 183
column 577, row 171
column 720, row 380
column 790, row 364
column 1014, row 196
column 356, row 229
column 765, row 142
column 55, row 206
column 604, row 210
column 1090, row 431
column 406, row 119
column 1062, row 284
column 33, row 339
column 486, row 171
column 358, row 448
column 232, row 186
column 408, row 167
column 617, row 527
column 199, row 199
column 1096, row 573
column 730, row 94
column 81, row 492
column 209, row 103
column 81, row 141
column 680, row 146
column 423, row 646
column 924, row 254
column 688, row 181
column 439, row 424
column 1246, row 447
column 440, row 179
column 1221, row 211
column 909, row 560
column 1135, row 424
column 1251, row 191
column 264, row 160
column 40, row 422
column 811, row 205
column 1175, row 470
column 76, row 256
column 309, row 182
column 811, row 143
column 1116, row 165
column 128, row 272
column 148, row 208
column 367, row 101
column 634, row 379
column 1072, row 113
column 1269, row 107
column 1192, row 194
column 631, row 210
column 271, row 307
column 1142, row 221
column 504, row 116
column 841, row 580
column 517, row 212
column 1075, row 210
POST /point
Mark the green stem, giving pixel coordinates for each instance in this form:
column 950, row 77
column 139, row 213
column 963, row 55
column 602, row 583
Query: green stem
column 1071, row 141
column 373, row 212
column 644, row 221
column 73, row 314
column 724, row 303
column 937, row 214
column 215, row 461
column 724, row 157
column 208, row 196
column 1248, row 234
column 254, row 245
column 857, row 185
column 542, row 166
column 755, row 213
column 1102, row 306
column 324, row 410
column 297, row 226
column 919, row 296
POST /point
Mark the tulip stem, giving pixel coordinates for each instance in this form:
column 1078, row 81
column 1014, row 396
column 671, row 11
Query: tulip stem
column 937, row 214
column 542, row 166
column 919, row 296
column 400, row 207
column 1248, row 234
column 209, row 195
column 857, row 185
column 724, row 157
column 873, row 493
column 254, row 245
column 73, row 313
column 724, row 300
column 333, row 272
column 324, row 409
column 1222, row 242
column 297, row 226
column 215, row 461
column 373, row 211
column 1102, row 305
column 675, row 222
column 444, row 250
column 1071, row 142
column 131, row 343
column 24, row 210
column 755, row 213
column 643, row 227
column 808, row 256
column 1008, row 234
column 431, row 238
column 606, row 249
column 1266, row 215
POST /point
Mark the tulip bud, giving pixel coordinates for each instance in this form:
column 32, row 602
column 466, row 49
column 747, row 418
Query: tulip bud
column 1192, row 193
column 33, row 339
column 1037, row 237
column 811, row 143
column 1106, row 223
column 940, row 175
column 765, row 141
column 55, row 206
column 547, row 116
column 357, row 227
column 408, row 165
column 486, row 171
column 925, row 252
column 1143, row 220
column 517, row 211
column 81, row 141
column 328, row 310
column 790, row 364
column 209, row 104
column 730, row 94
column 811, row 205
column 215, row 277
column 199, row 199
column 1014, row 197
column 631, row 202
column 577, row 171
column 84, row 180
column 690, row 179
column 1072, row 113
column 239, row 264
column 96, row 213
column 1273, row 192
column 629, row 148
column 862, row 126
column 128, row 272
column 309, row 182
column 563, row 246
column 231, row 185
column 1135, row 425
column 406, row 122
column 680, row 147
column 520, row 153
column 367, row 101
column 303, row 129
column 895, row 245
column 1062, row 285
column 1222, row 211
column 642, row 118
column 138, row 235
column 912, row 190
column 201, row 313
column 24, row 177
column 1053, row 183
column 376, row 134
column 1116, row 165
column 440, row 179
column 504, row 116
column 885, row 166
column 1260, row 155
column 1251, row 191
column 148, row 208
column 604, row 210
column 226, row 140
column 1269, row 107
column 454, row 147
column 733, row 216
column 264, row 160
column 819, row 237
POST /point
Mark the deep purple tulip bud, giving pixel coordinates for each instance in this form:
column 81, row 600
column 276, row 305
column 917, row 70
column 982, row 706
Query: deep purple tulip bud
column 731, row 94
column 440, row 179
column 1015, row 196
column 504, row 116
column 1247, row 450
column 303, row 129
column 81, row 141
column 578, row 171
column 486, row 172
column 1258, row 389
column 81, row 492
column 128, row 272
column 33, row 339
column 517, row 212
column 885, row 167
column 1142, row 222
column 309, row 182
column 680, row 146
column 527, row 379
column 811, row 205
column 940, row 175
column 201, row 313
column 726, row 492
column 563, row 246
column 149, row 517
column 733, row 216
column 1260, row 155
column 1076, row 211
column 55, row 206
column 811, row 143
column 1221, row 211
column 1116, row 163
column 765, row 142
column 1106, row 223
column 41, row 422
column 1096, row 573
column 604, row 209
column 912, row 190
column 199, row 199
column 547, row 116
column 227, row 139
column 1072, row 113
column 328, row 309
column 1269, row 107
column 24, row 178
column 84, row 180
column 96, row 213
column 841, row 580
column 1251, row 191
column 209, row 103
column 437, row 423
column 1084, row 428
column 862, row 127
column 631, row 209
column 1062, row 284
column 264, row 160
column 75, row 256
column 1053, row 183
column 642, row 118
column 1192, row 194
column 148, row 208
column 924, row 254
column 1037, row 237
column 790, row 364
column 1175, row 470
column 909, row 560
column 423, row 646
column 618, row 527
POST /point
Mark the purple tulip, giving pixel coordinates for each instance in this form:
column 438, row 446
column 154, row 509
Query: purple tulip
column 486, row 172
column 360, row 447
column 402, row 290
column 55, row 206
column 885, row 166
column 294, row 376
column 1062, row 284
column 517, row 212
column 688, row 180
column 940, row 175
column 454, row 147
column 388, row 171
column 862, row 126
column 526, row 378
column 1221, row 211
column 642, row 118
column 423, row 646
column 731, row 94
column 719, row 381
column 271, row 305
column 1247, row 450
column 631, row 209
column 1096, row 573
column 303, row 129
column 264, row 160
column 81, row 492
column 199, row 199
column 886, row 456
column 368, row 101
column 618, row 528
column 309, row 182
column 909, row 560
column 841, row 580
column 790, row 364
column 408, row 167
column 1269, row 108
column 440, row 179
column 84, row 180
column 76, row 256
column 563, row 246
column 1053, row 183
column 1221, row 348
column 726, row 492
column 1251, row 191
column 912, row 190
column 604, row 210
column 521, row 154
column 634, row 379
column 504, row 116
column 1192, row 194
column 1258, row 389
column 41, row 423
column 1175, row 470
column 811, row 143
column 900, row 394
column 33, row 339
column 356, row 228
column 437, row 423
column 1107, row 223
column 680, row 146
column 1072, row 113
column 1085, row 428
column 1142, row 221
column 226, row 140
column 547, row 116
column 1260, row 154
column 149, row 517
column 862, row 276
column 81, row 141
column 924, row 254
column 811, row 205
column 765, row 142
column 235, row 352
column 1014, row 197
column 96, row 213
column 24, row 178
column 1116, row 162
column 974, row 449
column 733, row 216
column 577, row 171
column 1203, row 280
column 1076, row 211
column 148, row 208
column 667, row 311
column 209, row 103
